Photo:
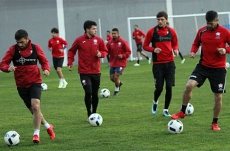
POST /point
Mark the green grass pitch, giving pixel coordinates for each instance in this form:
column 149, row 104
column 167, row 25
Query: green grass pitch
column 128, row 124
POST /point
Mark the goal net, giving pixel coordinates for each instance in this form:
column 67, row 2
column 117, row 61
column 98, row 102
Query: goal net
column 186, row 27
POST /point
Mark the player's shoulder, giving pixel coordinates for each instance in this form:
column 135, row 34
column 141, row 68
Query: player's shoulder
column 82, row 37
column 37, row 46
column 98, row 39
column 202, row 28
column 220, row 27
column 151, row 30
column 123, row 40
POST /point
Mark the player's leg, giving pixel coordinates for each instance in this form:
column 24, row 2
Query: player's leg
column 95, row 87
column 217, row 81
column 144, row 54
column 55, row 64
column 59, row 65
column 118, row 83
column 35, row 94
column 195, row 79
column 87, row 86
column 24, row 93
column 138, row 55
column 112, row 74
column 159, row 83
column 170, row 82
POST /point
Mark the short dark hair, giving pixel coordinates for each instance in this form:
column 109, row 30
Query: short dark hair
column 88, row 24
column 54, row 30
column 211, row 16
column 108, row 31
column 162, row 14
column 21, row 33
column 136, row 25
column 115, row 29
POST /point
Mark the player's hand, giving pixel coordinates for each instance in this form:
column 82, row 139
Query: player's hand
column 12, row 68
column 222, row 51
column 157, row 50
column 50, row 49
column 176, row 52
column 70, row 68
column 98, row 54
column 120, row 56
column 61, row 50
column 46, row 72
column 192, row 55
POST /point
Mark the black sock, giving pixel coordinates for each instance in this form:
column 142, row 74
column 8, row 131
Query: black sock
column 147, row 57
column 183, row 108
column 138, row 61
column 154, row 107
column 214, row 120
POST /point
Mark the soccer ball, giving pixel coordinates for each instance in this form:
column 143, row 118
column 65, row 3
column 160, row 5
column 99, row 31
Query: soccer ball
column 175, row 126
column 44, row 86
column 95, row 119
column 105, row 93
column 190, row 109
column 12, row 138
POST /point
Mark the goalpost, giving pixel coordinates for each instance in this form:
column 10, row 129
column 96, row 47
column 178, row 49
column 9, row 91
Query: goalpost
column 183, row 38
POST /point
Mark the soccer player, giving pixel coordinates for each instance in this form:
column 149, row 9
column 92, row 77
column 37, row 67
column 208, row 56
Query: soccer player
column 57, row 45
column 212, row 38
column 90, row 49
column 24, row 55
column 119, row 51
column 138, row 35
column 164, row 40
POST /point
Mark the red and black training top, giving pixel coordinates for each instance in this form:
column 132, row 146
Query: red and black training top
column 164, row 38
column 210, row 41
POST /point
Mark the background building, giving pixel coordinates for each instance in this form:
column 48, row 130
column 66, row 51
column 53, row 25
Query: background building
column 38, row 17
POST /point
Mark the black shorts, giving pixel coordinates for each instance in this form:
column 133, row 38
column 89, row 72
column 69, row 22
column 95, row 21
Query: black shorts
column 164, row 72
column 216, row 77
column 90, row 82
column 139, row 47
column 34, row 92
column 58, row 62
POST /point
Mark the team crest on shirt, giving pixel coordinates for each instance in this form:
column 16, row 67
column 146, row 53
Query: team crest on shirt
column 119, row 44
column 217, row 35
column 57, row 41
column 220, row 86
column 95, row 41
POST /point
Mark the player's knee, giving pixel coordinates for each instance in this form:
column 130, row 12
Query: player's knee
column 35, row 107
column 188, row 87
column 168, row 88
column 159, row 90
column 88, row 93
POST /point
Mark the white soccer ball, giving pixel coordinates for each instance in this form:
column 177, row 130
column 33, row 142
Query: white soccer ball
column 44, row 86
column 12, row 138
column 95, row 119
column 175, row 126
column 227, row 65
column 190, row 109
column 105, row 93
